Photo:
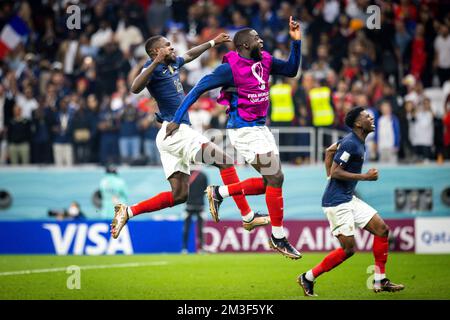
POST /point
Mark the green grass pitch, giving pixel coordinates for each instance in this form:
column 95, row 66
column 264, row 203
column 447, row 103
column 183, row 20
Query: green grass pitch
column 216, row 277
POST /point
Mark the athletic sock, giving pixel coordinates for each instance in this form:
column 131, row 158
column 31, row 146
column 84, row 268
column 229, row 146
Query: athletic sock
column 380, row 252
column 274, row 201
column 223, row 192
column 158, row 202
column 248, row 187
column 309, row 276
column 229, row 176
column 248, row 217
column 332, row 260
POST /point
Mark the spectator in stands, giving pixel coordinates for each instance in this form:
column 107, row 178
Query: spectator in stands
column 446, row 123
column 421, row 130
column 83, row 127
column 418, row 52
column 111, row 66
column 387, row 134
column 149, row 128
column 108, row 127
column 130, row 140
column 27, row 102
column 157, row 15
column 6, row 114
column 442, row 56
column 55, row 62
column 19, row 137
column 103, row 35
column 69, row 53
column 321, row 67
column 127, row 35
column 41, row 129
column 402, row 41
column 62, row 134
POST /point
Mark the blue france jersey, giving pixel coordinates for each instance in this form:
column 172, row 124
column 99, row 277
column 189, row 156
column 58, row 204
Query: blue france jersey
column 350, row 156
column 165, row 86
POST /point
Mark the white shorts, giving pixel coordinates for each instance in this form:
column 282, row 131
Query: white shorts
column 345, row 217
column 250, row 141
column 180, row 149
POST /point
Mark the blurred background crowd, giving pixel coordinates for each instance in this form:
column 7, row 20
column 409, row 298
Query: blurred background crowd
column 65, row 98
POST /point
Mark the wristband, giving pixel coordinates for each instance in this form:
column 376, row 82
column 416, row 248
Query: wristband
column 212, row 43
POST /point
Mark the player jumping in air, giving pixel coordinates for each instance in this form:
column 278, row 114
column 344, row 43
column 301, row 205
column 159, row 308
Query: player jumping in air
column 160, row 75
column 244, row 76
column 344, row 161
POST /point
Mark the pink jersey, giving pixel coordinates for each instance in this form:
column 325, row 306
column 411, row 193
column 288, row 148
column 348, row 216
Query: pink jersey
column 251, row 80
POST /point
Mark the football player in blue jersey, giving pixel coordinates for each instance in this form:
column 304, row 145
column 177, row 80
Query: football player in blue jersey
column 160, row 75
column 344, row 162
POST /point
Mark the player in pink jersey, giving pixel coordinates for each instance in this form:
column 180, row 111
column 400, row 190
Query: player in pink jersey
column 244, row 78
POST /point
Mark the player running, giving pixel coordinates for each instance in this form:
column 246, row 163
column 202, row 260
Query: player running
column 344, row 161
column 160, row 75
column 244, row 76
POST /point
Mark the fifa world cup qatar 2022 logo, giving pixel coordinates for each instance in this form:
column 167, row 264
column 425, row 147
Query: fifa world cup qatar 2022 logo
column 258, row 73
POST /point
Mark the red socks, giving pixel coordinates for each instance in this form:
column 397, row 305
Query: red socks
column 251, row 187
column 158, row 202
column 333, row 259
column 274, row 201
column 380, row 252
column 229, row 176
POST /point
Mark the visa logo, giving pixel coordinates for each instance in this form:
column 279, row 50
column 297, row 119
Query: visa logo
column 94, row 239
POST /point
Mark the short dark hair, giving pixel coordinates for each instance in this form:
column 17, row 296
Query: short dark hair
column 241, row 36
column 151, row 42
column 352, row 115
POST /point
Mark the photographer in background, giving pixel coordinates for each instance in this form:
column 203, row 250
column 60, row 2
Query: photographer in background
column 72, row 213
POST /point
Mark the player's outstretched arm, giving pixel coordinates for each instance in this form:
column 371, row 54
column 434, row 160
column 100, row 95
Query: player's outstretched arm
column 198, row 50
column 337, row 172
column 220, row 77
column 142, row 79
column 290, row 67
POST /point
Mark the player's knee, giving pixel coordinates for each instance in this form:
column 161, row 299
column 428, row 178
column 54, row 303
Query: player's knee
column 349, row 251
column 180, row 196
column 383, row 231
column 275, row 180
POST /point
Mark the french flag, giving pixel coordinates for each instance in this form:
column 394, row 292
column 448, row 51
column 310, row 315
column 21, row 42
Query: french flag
column 14, row 32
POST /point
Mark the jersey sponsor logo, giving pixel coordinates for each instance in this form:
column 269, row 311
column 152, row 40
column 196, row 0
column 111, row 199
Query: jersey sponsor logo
column 258, row 73
column 345, row 156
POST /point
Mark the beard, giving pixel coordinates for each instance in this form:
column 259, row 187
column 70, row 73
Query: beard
column 256, row 54
column 170, row 59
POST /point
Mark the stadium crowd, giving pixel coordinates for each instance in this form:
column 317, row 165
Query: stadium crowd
column 65, row 98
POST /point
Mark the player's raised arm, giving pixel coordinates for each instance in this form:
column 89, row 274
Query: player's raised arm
column 290, row 67
column 142, row 79
column 198, row 50
column 220, row 77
